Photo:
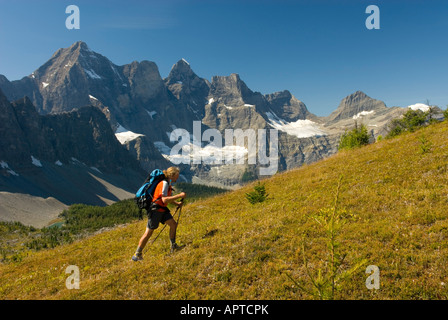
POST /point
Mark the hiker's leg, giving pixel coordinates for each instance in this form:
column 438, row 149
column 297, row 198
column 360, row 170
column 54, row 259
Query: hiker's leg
column 144, row 239
column 173, row 226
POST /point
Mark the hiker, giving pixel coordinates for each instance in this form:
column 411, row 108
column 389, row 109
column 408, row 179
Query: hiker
column 159, row 213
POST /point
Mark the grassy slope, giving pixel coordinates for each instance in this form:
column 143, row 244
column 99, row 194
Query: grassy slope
column 238, row 251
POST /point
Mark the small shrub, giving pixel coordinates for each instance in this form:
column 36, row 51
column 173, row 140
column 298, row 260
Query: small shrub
column 355, row 138
column 328, row 280
column 411, row 121
column 425, row 145
column 258, row 195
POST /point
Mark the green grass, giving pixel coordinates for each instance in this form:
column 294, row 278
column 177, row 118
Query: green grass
column 397, row 194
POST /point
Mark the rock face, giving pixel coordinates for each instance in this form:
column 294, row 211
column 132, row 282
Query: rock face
column 12, row 148
column 83, row 134
column 138, row 103
column 354, row 104
column 231, row 105
column 288, row 107
column 70, row 157
column 188, row 88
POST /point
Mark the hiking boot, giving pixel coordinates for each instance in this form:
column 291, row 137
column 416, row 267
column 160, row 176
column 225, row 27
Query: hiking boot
column 174, row 247
column 137, row 256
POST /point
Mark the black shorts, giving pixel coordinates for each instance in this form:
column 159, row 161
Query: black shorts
column 156, row 217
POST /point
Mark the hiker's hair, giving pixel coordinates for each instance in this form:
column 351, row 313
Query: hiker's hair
column 171, row 172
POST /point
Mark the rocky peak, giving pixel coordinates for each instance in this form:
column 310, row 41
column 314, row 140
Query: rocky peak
column 180, row 71
column 145, row 81
column 355, row 103
column 355, row 98
column 288, row 107
column 80, row 45
column 231, row 90
column 188, row 88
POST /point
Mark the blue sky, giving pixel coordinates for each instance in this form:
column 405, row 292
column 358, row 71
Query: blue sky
column 319, row 50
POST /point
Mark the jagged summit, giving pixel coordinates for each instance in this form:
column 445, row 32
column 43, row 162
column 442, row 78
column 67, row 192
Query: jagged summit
column 190, row 89
column 78, row 50
column 180, row 72
column 288, row 107
column 355, row 103
column 182, row 63
column 80, row 44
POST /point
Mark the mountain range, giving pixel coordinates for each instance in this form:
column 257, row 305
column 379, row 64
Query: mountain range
column 116, row 119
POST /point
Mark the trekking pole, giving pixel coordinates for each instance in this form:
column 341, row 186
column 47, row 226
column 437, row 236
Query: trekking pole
column 177, row 209
column 180, row 212
column 162, row 229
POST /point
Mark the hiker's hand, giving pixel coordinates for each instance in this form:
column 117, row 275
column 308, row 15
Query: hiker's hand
column 179, row 204
column 183, row 195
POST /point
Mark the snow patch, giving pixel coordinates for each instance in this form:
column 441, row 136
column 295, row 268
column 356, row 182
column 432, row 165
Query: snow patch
column 92, row 97
column 419, row 106
column 36, row 162
column 58, row 163
column 210, row 101
column 152, row 114
column 96, row 169
column 185, row 61
column 92, row 74
column 299, row 128
column 363, row 113
column 124, row 135
column 45, row 84
column 208, row 154
column 249, row 105
column 4, row 165
column 76, row 161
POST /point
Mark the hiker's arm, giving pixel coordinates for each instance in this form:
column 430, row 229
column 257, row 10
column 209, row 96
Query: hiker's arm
column 174, row 198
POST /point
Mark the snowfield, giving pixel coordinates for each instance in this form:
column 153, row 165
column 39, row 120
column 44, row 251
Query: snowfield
column 209, row 154
column 124, row 135
column 419, row 106
column 363, row 113
column 299, row 128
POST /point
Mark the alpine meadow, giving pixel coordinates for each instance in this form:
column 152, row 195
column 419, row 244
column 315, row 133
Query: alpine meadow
column 312, row 237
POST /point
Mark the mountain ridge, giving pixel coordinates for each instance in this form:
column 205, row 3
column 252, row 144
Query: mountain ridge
column 134, row 96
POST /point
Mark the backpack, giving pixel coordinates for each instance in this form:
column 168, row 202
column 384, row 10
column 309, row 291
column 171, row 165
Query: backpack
column 144, row 196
